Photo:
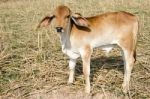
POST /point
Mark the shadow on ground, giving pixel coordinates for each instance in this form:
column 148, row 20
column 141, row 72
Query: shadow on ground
column 102, row 62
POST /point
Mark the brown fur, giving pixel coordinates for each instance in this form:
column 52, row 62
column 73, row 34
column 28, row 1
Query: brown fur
column 86, row 58
column 86, row 33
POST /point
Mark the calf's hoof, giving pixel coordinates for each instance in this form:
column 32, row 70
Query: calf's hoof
column 125, row 88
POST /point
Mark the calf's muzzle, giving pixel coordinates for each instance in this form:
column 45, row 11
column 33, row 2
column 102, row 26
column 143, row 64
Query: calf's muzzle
column 59, row 29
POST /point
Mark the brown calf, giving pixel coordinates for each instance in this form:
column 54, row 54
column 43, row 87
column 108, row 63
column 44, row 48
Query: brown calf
column 79, row 35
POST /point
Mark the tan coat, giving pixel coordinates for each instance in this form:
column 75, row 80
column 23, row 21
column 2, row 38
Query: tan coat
column 79, row 35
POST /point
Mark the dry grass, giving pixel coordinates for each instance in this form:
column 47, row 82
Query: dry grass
column 32, row 65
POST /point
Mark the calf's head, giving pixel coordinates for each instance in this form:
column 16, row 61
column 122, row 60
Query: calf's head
column 64, row 16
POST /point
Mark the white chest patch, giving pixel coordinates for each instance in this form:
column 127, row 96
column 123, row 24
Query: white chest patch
column 71, row 53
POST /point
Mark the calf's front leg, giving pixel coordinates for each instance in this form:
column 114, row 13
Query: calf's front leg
column 86, row 55
column 72, row 64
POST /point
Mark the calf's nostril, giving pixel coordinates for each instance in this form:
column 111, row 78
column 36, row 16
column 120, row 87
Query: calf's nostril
column 59, row 29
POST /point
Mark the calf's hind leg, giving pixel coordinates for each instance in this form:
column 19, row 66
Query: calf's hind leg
column 129, row 59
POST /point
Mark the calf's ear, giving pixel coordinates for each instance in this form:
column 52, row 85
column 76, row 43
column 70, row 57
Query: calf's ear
column 45, row 21
column 79, row 20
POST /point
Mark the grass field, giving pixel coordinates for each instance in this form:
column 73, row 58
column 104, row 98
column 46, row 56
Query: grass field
column 32, row 65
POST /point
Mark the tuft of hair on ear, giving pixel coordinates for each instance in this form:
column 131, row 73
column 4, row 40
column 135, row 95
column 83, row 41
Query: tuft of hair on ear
column 77, row 15
column 79, row 20
column 45, row 21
